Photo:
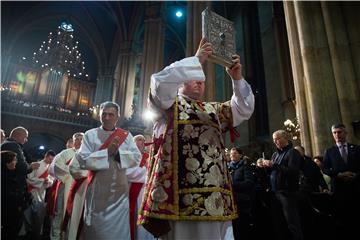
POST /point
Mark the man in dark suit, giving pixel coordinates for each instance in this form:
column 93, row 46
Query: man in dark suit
column 342, row 164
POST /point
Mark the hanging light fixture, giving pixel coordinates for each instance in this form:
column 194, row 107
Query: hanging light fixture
column 57, row 54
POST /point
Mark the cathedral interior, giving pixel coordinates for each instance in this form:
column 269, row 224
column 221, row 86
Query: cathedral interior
column 60, row 60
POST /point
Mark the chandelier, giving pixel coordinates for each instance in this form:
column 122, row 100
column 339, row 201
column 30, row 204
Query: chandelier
column 61, row 53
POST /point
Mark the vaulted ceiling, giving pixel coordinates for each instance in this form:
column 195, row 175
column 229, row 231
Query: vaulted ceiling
column 99, row 26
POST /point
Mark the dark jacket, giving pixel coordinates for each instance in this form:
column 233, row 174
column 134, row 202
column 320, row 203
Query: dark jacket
column 22, row 167
column 243, row 182
column 13, row 203
column 284, row 175
column 334, row 164
column 311, row 177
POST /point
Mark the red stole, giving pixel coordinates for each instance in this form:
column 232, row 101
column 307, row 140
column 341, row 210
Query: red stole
column 70, row 201
column 134, row 191
column 53, row 194
column 122, row 134
column 52, row 197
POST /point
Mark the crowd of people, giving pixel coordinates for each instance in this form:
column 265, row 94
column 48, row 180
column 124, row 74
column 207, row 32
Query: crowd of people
column 182, row 184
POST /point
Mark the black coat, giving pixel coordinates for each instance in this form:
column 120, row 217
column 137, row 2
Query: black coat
column 286, row 169
column 243, row 182
column 22, row 167
column 334, row 164
column 13, row 203
column 311, row 177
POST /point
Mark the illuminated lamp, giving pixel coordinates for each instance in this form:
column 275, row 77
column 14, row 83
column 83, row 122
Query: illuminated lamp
column 149, row 115
column 179, row 14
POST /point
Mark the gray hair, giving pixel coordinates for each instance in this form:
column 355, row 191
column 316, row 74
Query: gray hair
column 18, row 130
column 139, row 137
column 338, row 126
column 282, row 133
column 109, row 104
column 78, row 134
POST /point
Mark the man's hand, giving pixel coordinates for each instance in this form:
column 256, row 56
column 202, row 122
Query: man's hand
column 325, row 190
column 34, row 165
column 346, row 176
column 113, row 146
column 235, row 71
column 264, row 163
column 204, row 51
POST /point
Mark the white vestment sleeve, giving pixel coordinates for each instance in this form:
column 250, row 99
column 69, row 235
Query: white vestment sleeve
column 51, row 169
column 75, row 170
column 94, row 159
column 90, row 158
column 50, row 181
column 130, row 155
column 136, row 174
column 34, row 180
column 61, row 169
column 242, row 101
column 165, row 84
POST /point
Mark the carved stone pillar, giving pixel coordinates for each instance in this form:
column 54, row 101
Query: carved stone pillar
column 284, row 61
column 343, row 67
column 322, row 71
column 153, row 48
column 298, row 76
column 193, row 37
column 124, row 76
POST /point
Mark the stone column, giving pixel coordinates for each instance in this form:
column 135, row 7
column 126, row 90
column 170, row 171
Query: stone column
column 193, row 37
column 351, row 20
column 344, row 72
column 124, row 76
column 284, row 61
column 153, row 49
column 298, row 75
column 315, row 72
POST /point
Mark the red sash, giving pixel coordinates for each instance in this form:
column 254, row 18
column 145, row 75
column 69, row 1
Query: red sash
column 53, row 195
column 134, row 191
column 44, row 176
column 144, row 158
column 70, row 201
column 122, row 134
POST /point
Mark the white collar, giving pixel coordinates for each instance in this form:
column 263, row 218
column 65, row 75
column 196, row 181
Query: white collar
column 342, row 144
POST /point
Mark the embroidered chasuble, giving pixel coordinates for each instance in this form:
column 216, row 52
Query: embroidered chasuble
column 188, row 177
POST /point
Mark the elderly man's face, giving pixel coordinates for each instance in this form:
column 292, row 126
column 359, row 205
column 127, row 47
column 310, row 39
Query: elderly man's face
column 140, row 143
column 77, row 142
column 280, row 141
column 108, row 118
column 339, row 135
column 194, row 89
column 23, row 137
